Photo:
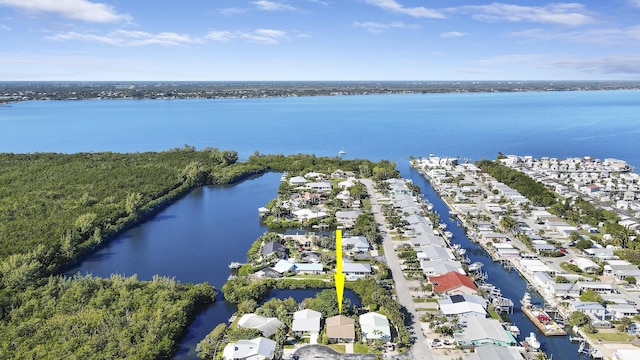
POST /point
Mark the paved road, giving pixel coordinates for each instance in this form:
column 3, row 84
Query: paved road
column 420, row 349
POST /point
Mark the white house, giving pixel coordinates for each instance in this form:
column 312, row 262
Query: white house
column 375, row 326
column 463, row 306
column 256, row 349
column 358, row 243
column 306, row 321
column 266, row 325
column 619, row 311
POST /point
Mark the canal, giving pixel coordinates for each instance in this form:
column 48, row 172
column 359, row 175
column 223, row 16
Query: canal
column 512, row 285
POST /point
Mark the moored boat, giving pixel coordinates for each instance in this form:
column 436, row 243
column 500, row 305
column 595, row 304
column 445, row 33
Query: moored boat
column 532, row 341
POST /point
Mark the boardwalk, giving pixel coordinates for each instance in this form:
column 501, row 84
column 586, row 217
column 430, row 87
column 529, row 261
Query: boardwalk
column 420, row 349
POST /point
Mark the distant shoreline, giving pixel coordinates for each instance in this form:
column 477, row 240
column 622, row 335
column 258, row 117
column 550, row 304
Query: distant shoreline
column 17, row 91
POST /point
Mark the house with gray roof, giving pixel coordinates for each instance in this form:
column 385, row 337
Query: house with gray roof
column 494, row 352
column 483, row 331
column 266, row 325
column 355, row 270
column 375, row 326
column 439, row 267
column 358, row 243
column 273, row 249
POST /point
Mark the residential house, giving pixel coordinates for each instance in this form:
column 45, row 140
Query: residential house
column 321, row 186
column 453, row 283
column 375, row 326
column 340, row 329
column 297, row 181
column 283, row 266
column 357, row 243
column 619, row 311
column 308, row 269
column 354, row 271
column 483, row 331
column 273, row 250
column 266, row 325
column 463, row 306
column 586, row 265
column 306, row 321
column 598, row 286
column 433, row 252
column 439, row 267
column 495, row 352
column 593, row 309
column 255, row 349
column 308, row 214
column 347, row 218
column 564, row 290
column 621, row 272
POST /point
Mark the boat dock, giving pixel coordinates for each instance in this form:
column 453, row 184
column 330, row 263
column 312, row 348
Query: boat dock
column 540, row 318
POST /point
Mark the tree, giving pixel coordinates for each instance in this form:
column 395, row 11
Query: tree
column 590, row 295
column 207, row 347
column 508, row 223
column 559, row 279
column 85, row 222
column 132, row 203
column 584, row 244
column 579, row 319
column 630, row 279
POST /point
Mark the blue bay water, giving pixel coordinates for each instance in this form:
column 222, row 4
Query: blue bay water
column 557, row 124
column 194, row 239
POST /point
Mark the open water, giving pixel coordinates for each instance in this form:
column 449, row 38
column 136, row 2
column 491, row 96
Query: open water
column 194, row 239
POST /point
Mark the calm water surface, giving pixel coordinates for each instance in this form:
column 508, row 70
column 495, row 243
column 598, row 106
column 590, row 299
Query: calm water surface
column 195, row 239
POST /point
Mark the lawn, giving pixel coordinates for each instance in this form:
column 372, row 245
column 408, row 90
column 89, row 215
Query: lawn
column 611, row 336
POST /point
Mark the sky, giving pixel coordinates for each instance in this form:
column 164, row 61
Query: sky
column 285, row 40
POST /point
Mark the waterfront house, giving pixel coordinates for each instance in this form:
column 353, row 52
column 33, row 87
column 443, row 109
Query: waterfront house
column 297, row 181
column 593, row 309
column 283, row 266
column 433, row 252
column 495, row 352
column 268, row 273
column 463, row 306
column 308, row 214
column 375, row 326
column 426, row 240
column 273, row 250
column 340, row 329
column 619, row 311
column 255, row 349
column 266, row 325
column 308, row 269
column 564, row 290
column 355, row 270
column 306, row 321
column 453, row 283
column 439, row 267
column 494, row 237
column 483, row 331
column 600, row 253
column 626, row 354
column 320, row 186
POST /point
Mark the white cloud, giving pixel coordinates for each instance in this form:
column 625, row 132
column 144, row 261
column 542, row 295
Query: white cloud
column 613, row 64
column 453, row 34
column 635, row 2
column 570, row 14
column 375, row 27
column 264, row 36
column 231, row 11
column 73, row 9
column 273, row 6
column 605, row 37
column 222, row 36
column 125, row 38
column 417, row 12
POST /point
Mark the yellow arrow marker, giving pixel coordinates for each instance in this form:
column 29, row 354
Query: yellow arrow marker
column 339, row 276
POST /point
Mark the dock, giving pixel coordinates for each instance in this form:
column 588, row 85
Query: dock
column 547, row 327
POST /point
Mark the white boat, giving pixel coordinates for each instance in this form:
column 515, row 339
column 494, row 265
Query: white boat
column 448, row 234
column 532, row 341
column 462, row 251
column 475, row 266
column 342, row 152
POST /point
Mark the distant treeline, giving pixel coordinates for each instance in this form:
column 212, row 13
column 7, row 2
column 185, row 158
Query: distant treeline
column 43, row 90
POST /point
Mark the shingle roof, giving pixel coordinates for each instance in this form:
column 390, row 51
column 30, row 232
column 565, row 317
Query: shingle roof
column 341, row 327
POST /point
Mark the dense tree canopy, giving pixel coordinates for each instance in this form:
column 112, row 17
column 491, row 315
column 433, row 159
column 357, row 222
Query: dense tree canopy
column 528, row 187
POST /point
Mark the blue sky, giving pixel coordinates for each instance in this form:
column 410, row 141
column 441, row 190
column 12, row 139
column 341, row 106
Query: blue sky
column 211, row 40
